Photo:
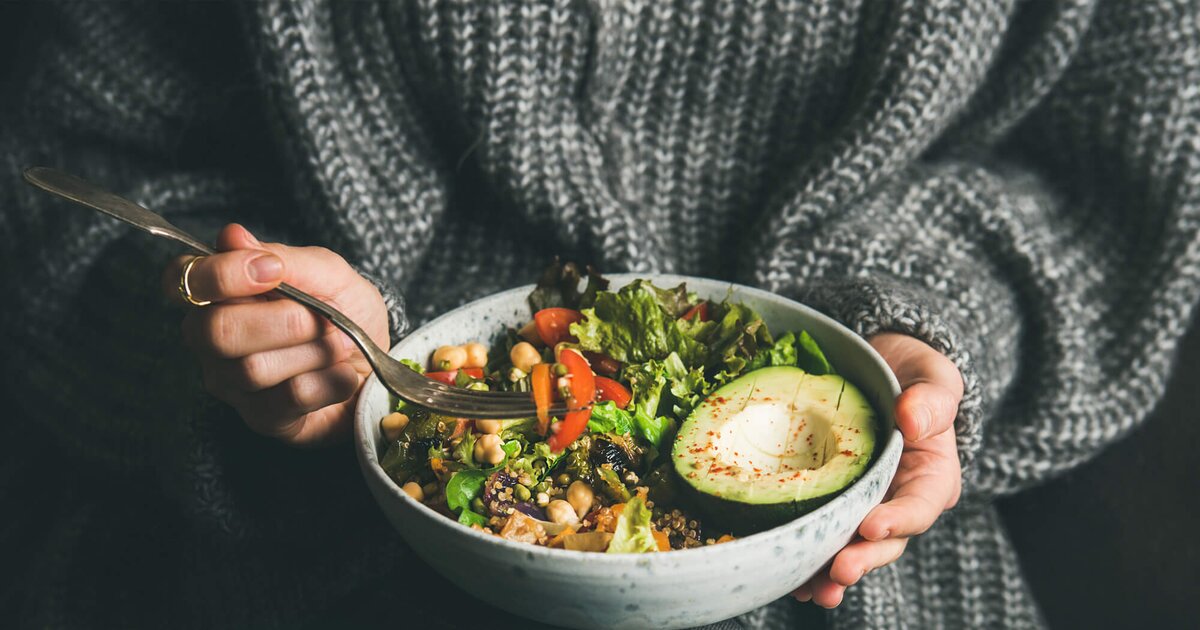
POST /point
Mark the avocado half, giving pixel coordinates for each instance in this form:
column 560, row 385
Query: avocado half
column 772, row 445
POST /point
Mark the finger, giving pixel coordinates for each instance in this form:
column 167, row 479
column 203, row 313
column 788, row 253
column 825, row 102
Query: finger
column 235, row 236
column 925, row 409
column 862, row 557
column 279, row 411
column 234, row 274
column 915, row 361
column 262, row 370
column 803, row 593
column 170, row 279
column 315, row 269
column 916, row 504
column 231, row 331
column 825, row 592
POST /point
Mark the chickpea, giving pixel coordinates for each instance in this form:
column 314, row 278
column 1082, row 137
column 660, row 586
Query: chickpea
column 561, row 512
column 529, row 333
column 476, row 355
column 449, row 358
column 581, row 497
column 393, row 425
column 413, row 489
column 487, row 426
column 524, row 356
column 488, row 449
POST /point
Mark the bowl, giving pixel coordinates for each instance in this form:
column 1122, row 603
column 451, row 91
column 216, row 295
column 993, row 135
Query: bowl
column 675, row 589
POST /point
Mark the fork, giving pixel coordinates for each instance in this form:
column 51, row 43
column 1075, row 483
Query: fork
column 395, row 376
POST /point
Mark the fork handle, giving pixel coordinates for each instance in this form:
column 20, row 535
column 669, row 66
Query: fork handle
column 85, row 193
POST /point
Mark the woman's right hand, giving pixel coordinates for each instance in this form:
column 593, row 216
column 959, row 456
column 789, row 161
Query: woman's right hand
column 288, row 372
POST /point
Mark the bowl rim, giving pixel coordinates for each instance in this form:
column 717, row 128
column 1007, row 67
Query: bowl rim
column 366, row 448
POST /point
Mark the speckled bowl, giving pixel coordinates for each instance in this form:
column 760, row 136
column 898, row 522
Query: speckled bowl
column 676, row 589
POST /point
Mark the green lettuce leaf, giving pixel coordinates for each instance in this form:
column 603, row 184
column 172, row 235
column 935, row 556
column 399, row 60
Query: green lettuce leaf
column 733, row 338
column 412, row 365
column 468, row 517
column 809, row 356
column 464, row 486
column 633, row 534
column 802, row 352
column 647, row 381
column 608, row 418
column 687, row 387
column 636, row 325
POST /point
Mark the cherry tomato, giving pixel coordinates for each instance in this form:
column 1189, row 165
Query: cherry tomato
column 450, row 376
column 554, row 324
column 608, row 389
column 583, row 392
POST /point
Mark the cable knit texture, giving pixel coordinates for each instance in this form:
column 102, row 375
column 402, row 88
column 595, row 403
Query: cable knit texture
column 1015, row 183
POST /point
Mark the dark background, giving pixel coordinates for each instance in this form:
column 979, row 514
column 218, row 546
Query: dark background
column 1116, row 543
column 1113, row 544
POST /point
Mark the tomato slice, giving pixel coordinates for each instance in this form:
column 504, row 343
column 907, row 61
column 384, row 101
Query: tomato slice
column 450, row 376
column 700, row 310
column 554, row 324
column 540, row 380
column 608, row 389
column 583, row 392
column 602, row 363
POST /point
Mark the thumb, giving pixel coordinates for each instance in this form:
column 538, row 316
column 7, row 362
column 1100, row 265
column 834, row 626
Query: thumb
column 925, row 409
column 931, row 385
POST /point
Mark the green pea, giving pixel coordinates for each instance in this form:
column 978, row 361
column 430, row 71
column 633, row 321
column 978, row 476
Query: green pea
column 477, row 505
column 543, row 486
column 522, row 493
column 563, row 480
column 560, row 369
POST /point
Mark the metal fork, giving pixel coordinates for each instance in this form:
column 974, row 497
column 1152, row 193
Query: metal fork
column 399, row 379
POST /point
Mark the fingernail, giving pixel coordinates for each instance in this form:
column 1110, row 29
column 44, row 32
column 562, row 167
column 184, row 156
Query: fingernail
column 924, row 421
column 266, row 268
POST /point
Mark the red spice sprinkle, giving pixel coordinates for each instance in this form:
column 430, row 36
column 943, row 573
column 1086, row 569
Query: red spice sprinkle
column 848, row 453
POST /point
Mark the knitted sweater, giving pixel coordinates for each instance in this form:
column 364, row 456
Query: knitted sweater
column 1017, row 184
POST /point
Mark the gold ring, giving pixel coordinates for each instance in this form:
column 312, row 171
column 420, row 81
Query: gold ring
column 185, row 289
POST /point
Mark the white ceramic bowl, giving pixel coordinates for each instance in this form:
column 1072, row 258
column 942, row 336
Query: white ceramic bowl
column 676, row 589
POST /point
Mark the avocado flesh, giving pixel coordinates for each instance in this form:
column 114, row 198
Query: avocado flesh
column 774, row 444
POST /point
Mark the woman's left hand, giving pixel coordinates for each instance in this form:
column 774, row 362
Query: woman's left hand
column 928, row 480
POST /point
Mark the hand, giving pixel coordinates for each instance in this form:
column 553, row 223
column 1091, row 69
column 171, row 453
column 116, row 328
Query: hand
column 288, row 372
column 928, row 480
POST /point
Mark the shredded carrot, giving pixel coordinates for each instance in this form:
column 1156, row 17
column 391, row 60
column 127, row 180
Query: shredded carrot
column 540, row 381
column 664, row 542
column 557, row 541
column 724, row 539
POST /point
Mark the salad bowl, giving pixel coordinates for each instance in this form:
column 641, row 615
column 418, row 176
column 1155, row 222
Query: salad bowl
column 675, row 589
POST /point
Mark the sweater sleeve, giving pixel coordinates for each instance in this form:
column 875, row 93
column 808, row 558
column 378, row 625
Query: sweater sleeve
column 1054, row 263
column 115, row 94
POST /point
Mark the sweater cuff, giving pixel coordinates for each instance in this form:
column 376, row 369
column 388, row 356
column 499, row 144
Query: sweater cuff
column 397, row 311
column 870, row 306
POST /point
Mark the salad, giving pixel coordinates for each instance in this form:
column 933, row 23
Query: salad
column 638, row 363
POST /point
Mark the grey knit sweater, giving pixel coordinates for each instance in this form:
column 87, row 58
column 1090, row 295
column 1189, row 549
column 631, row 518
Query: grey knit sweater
column 1016, row 183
